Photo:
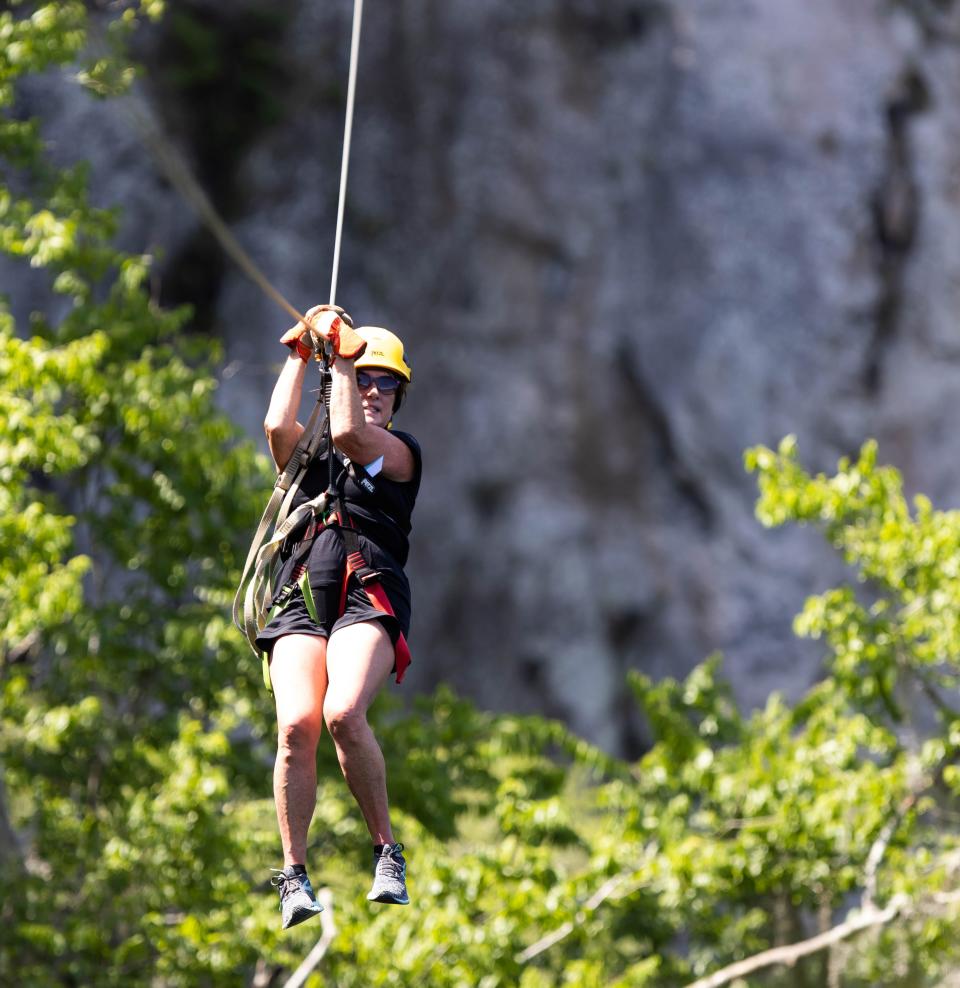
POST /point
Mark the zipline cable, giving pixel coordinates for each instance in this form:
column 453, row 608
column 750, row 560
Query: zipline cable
column 347, row 134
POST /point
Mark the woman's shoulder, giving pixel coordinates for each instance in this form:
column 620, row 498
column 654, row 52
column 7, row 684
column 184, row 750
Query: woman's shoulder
column 411, row 443
column 408, row 439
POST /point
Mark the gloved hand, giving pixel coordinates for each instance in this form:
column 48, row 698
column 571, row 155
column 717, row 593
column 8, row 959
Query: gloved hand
column 328, row 323
column 298, row 339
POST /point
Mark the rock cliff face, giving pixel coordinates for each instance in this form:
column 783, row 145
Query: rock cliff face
column 623, row 241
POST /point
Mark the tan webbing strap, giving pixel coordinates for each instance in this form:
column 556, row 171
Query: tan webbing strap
column 259, row 593
column 275, row 516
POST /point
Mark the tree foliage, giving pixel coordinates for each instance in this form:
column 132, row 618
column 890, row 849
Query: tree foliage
column 136, row 824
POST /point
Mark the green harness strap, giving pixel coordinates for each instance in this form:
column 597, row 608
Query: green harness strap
column 307, row 591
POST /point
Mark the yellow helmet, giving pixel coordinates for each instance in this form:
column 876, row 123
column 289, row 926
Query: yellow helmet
column 384, row 349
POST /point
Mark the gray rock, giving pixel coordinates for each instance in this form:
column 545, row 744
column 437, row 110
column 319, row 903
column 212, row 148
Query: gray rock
column 623, row 242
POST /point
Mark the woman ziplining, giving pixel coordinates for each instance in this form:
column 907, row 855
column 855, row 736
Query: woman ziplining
column 341, row 601
column 324, row 599
column 328, row 606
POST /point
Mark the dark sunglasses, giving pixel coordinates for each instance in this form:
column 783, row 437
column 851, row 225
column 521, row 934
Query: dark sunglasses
column 386, row 383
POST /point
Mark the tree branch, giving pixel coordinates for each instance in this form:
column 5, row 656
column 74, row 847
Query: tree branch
column 879, row 847
column 299, row 977
column 933, row 694
column 900, row 905
column 565, row 929
column 866, row 916
column 12, row 849
column 745, row 823
column 791, row 953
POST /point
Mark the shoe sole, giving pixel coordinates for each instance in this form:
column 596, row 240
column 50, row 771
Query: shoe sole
column 390, row 900
column 302, row 916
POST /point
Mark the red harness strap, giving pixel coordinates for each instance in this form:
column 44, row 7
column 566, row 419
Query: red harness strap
column 369, row 580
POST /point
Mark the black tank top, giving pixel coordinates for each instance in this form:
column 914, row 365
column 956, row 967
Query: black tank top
column 383, row 514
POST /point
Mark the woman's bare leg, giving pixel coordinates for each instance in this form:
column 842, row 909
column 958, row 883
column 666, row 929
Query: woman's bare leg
column 359, row 660
column 299, row 676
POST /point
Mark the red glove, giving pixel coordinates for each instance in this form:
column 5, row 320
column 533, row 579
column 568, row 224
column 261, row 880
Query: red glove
column 298, row 339
column 342, row 337
column 325, row 324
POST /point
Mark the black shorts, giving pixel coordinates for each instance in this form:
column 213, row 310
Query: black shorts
column 326, row 566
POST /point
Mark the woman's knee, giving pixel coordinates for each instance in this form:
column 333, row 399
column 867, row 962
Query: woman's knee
column 299, row 733
column 345, row 721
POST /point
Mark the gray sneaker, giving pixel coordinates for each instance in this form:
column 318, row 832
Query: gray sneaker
column 389, row 876
column 297, row 901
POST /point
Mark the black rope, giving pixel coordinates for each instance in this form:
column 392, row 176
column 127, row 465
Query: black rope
column 326, row 390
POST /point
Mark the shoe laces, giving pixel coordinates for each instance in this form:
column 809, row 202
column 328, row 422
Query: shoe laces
column 390, row 863
column 287, row 884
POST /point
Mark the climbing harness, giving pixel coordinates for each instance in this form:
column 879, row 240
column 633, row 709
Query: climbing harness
column 255, row 603
column 356, row 566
